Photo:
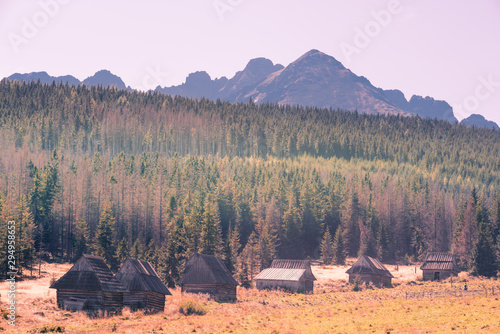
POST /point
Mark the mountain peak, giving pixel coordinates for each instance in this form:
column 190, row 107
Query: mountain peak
column 44, row 78
column 480, row 122
column 106, row 79
column 199, row 77
column 315, row 57
column 260, row 68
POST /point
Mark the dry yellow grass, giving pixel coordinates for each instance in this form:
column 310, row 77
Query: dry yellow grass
column 332, row 309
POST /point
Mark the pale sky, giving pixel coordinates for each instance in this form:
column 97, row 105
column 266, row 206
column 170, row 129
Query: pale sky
column 446, row 49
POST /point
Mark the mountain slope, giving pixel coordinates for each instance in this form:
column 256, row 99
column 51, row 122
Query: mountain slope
column 316, row 79
column 44, row 78
column 106, row 79
column 256, row 71
column 426, row 107
column 480, row 122
column 197, row 85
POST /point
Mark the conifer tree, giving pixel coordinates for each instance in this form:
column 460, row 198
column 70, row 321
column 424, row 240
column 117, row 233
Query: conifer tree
column 339, row 251
column 137, row 250
column 151, row 254
column 210, row 237
column 233, row 250
column 3, row 236
column 244, row 276
column 27, row 233
column 292, row 242
column 484, row 259
column 267, row 245
column 350, row 225
column 326, row 247
column 249, row 261
column 169, row 259
column 382, row 242
column 104, row 245
column 81, row 240
column 495, row 218
column 122, row 252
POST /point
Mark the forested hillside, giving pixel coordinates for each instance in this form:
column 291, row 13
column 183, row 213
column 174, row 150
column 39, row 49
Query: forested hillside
column 148, row 175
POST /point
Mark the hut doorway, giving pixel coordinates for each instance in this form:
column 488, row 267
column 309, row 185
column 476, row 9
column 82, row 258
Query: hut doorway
column 436, row 276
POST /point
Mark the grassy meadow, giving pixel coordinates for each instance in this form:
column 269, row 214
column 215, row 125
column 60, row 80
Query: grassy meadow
column 334, row 308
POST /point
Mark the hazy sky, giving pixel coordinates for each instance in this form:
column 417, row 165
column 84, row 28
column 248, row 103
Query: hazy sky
column 446, row 49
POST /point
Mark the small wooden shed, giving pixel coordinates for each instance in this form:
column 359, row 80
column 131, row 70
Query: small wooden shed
column 293, row 275
column 368, row 269
column 89, row 286
column 145, row 290
column 439, row 266
column 208, row 274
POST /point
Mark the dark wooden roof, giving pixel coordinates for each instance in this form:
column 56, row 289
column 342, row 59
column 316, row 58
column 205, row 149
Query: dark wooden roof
column 89, row 273
column 440, row 261
column 206, row 269
column 369, row 265
column 137, row 275
column 291, row 265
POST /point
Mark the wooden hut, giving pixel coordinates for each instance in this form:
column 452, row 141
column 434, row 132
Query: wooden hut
column 89, row 286
column 368, row 269
column 145, row 290
column 293, row 275
column 439, row 266
column 208, row 274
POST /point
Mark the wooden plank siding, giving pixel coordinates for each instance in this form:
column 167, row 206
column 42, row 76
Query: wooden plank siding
column 150, row 301
column 301, row 286
column 429, row 275
column 91, row 300
column 216, row 291
column 371, row 278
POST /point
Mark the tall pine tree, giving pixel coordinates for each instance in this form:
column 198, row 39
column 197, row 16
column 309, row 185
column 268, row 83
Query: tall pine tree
column 339, row 250
column 484, row 259
column 104, row 243
column 326, row 246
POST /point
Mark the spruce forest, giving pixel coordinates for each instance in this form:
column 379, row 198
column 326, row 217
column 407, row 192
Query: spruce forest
column 129, row 174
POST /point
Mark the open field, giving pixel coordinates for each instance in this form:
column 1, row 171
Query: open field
column 334, row 308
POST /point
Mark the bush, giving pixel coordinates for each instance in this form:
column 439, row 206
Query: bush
column 188, row 307
column 356, row 285
column 51, row 329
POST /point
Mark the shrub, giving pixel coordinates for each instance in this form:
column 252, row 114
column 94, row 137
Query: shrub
column 189, row 306
column 51, row 329
column 356, row 285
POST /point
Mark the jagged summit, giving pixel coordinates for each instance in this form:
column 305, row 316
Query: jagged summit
column 105, row 78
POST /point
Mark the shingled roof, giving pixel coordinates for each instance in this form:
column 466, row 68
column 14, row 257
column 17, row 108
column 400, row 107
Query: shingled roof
column 287, row 270
column 206, row 269
column 440, row 261
column 369, row 265
column 137, row 275
column 89, row 273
